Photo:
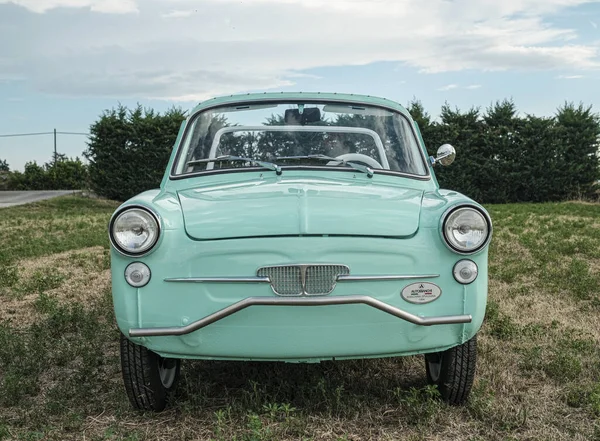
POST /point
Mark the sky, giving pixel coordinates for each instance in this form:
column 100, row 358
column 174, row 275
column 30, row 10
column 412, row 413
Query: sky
column 62, row 62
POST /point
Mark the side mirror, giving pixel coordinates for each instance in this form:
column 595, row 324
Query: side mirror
column 445, row 155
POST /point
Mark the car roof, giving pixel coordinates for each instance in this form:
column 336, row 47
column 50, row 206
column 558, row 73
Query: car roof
column 317, row 96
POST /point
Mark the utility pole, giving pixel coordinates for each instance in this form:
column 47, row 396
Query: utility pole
column 55, row 146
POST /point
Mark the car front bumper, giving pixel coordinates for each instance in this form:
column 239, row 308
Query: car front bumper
column 299, row 301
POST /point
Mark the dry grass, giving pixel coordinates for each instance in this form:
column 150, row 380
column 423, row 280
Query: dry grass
column 76, row 276
column 538, row 371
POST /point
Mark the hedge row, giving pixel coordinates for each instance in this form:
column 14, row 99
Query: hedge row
column 61, row 173
column 501, row 156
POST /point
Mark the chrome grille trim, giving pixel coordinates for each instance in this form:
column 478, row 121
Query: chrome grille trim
column 303, row 280
column 349, row 278
column 265, row 279
column 218, row 279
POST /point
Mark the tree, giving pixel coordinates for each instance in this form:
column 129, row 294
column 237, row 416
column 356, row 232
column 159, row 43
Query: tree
column 4, row 166
column 129, row 149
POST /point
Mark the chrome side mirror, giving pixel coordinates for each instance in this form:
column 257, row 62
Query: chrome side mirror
column 445, row 155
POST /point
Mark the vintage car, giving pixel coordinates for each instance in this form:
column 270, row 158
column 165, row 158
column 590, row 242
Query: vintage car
column 298, row 227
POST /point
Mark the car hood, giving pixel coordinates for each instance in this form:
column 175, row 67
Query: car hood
column 293, row 208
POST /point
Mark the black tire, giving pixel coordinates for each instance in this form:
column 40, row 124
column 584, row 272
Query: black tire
column 453, row 371
column 150, row 379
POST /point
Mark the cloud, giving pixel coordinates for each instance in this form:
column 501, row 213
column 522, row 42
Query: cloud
column 594, row 24
column 105, row 6
column 569, row 77
column 98, row 48
column 448, row 87
column 456, row 86
column 179, row 13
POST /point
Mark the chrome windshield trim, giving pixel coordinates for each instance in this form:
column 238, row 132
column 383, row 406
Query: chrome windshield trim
column 254, row 279
column 426, row 177
column 300, row 301
column 350, row 278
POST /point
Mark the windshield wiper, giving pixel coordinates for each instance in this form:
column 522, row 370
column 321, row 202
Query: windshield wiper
column 362, row 168
column 230, row 158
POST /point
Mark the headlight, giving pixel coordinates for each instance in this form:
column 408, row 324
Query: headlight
column 134, row 231
column 466, row 229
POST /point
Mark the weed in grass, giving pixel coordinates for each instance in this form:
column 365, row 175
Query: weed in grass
column 575, row 279
column 594, row 399
column 498, row 324
column 481, row 401
column 419, row 405
column 223, row 418
column 4, row 432
column 277, row 411
column 531, row 360
column 8, row 275
column 40, row 281
column 34, row 435
column 584, row 397
column 45, row 304
column 533, row 330
column 256, row 430
column 576, row 397
column 562, row 366
column 16, row 386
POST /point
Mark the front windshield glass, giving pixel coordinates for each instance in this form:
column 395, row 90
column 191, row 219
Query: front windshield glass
column 300, row 134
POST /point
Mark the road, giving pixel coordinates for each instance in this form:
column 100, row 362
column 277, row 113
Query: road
column 10, row 198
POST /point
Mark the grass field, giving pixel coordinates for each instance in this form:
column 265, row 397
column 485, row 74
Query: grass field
column 539, row 354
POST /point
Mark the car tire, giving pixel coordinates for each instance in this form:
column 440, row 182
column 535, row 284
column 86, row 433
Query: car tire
column 453, row 371
column 149, row 379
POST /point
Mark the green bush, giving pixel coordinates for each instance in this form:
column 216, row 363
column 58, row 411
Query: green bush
column 4, row 174
column 129, row 150
column 61, row 174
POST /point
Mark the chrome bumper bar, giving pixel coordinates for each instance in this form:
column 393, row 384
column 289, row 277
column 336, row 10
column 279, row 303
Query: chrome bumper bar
column 299, row 301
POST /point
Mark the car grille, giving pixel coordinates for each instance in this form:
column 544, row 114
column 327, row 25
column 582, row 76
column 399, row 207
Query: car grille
column 298, row 280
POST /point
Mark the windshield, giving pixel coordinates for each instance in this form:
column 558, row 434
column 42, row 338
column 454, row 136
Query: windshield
column 300, row 134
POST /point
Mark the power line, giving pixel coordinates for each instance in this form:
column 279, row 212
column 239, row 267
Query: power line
column 72, row 133
column 42, row 133
column 26, row 134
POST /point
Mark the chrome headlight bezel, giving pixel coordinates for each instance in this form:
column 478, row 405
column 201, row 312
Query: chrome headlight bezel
column 452, row 247
column 148, row 249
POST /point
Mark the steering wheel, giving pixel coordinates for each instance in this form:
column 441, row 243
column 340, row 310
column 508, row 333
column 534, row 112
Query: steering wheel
column 357, row 157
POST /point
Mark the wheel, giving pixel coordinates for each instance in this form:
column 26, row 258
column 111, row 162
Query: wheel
column 453, row 371
column 150, row 379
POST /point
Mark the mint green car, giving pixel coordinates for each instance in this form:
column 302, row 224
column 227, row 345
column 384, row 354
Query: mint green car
column 298, row 227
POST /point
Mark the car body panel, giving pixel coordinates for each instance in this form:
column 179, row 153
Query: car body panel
column 288, row 207
column 231, row 224
column 311, row 333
